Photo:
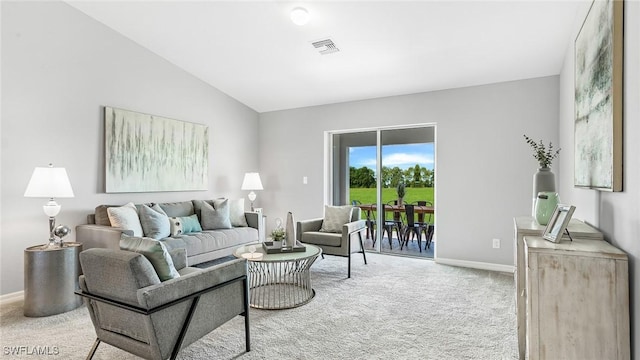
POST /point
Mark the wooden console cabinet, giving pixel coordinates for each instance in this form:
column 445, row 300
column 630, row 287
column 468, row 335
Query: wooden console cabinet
column 527, row 226
column 577, row 300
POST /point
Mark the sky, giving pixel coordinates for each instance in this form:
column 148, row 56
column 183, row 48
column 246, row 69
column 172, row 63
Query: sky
column 402, row 156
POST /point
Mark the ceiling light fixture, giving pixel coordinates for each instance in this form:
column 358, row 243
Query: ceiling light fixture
column 300, row 16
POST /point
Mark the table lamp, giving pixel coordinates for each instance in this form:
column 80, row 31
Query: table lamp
column 50, row 182
column 251, row 182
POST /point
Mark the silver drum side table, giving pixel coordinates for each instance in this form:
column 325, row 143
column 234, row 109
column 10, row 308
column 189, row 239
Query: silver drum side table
column 279, row 281
column 50, row 279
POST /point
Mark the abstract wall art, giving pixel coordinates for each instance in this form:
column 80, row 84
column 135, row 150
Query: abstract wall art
column 147, row 153
column 598, row 98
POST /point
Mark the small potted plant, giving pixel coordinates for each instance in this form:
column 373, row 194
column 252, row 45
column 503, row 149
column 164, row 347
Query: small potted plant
column 541, row 153
column 401, row 191
column 277, row 234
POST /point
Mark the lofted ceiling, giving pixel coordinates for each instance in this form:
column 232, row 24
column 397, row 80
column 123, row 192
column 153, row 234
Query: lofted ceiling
column 253, row 52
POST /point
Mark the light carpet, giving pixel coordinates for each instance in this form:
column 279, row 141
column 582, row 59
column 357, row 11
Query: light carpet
column 392, row 308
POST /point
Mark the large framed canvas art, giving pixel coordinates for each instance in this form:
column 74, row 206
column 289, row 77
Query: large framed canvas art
column 598, row 98
column 148, row 153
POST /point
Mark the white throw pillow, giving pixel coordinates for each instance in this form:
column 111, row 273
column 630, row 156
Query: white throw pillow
column 125, row 217
column 176, row 226
column 335, row 217
column 236, row 213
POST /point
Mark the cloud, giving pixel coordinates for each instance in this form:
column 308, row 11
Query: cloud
column 402, row 160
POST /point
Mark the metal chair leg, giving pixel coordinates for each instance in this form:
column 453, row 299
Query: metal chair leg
column 93, row 349
column 364, row 255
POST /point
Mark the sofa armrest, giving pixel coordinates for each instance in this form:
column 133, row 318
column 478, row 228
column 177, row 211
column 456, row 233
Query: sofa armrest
column 100, row 236
column 308, row 225
column 253, row 220
column 155, row 295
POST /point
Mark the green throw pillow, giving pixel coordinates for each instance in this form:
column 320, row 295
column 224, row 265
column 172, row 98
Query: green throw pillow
column 155, row 251
column 190, row 224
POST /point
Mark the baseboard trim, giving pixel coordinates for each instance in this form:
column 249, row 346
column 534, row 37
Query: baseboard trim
column 9, row 298
column 476, row 265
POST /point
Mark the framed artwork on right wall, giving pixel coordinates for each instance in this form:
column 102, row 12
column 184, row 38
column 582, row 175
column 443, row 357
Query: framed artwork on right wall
column 598, row 98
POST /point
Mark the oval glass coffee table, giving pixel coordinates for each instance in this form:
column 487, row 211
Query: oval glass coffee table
column 279, row 281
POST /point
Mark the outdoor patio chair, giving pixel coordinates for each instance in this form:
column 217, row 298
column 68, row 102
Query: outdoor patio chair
column 411, row 227
column 425, row 226
column 394, row 224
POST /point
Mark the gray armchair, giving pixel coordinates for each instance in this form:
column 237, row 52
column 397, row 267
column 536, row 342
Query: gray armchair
column 338, row 244
column 133, row 310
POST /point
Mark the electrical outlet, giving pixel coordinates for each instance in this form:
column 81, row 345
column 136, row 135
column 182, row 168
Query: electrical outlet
column 496, row 243
column 305, row 180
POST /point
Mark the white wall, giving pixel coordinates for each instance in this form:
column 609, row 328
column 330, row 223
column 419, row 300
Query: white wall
column 59, row 68
column 484, row 167
column 617, row 215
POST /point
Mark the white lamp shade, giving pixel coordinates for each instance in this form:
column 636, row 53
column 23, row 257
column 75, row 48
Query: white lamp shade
column 49, row 182
column 251, row 182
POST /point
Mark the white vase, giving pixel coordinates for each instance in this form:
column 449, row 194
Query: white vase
column 543, row 180
column 290, row 232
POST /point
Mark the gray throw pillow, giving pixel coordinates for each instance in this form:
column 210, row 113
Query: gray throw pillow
column 154, row 221
column 217, row 218
column 335, row 217
column 155, row 251
column 236, row 211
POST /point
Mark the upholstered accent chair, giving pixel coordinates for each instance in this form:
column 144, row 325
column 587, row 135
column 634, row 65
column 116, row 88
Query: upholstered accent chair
column 133, row 310
column 335, row 243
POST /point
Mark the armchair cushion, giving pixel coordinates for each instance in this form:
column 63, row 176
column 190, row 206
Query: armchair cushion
column 335, row 217
column 321, row 238
column 153, row 250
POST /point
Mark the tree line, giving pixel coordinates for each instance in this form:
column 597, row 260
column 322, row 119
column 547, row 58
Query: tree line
column 416, row 176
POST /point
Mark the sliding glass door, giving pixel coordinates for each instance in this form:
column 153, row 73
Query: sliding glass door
column 380, row 170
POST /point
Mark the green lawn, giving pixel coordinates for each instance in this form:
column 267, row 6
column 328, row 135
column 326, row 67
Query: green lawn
column 368, row 196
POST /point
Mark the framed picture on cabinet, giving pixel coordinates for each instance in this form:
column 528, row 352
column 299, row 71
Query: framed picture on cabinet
column 558, row 222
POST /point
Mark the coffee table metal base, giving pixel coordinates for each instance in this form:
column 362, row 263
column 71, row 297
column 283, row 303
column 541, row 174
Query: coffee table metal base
column 280, row 284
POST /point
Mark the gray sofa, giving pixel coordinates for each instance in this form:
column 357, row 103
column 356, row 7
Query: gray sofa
column 200, row 246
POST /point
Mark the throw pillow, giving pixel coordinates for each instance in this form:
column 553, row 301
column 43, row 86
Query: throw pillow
column 190, row 224
column 335, row 217
column 217, row 218
column 176, row 226
column 125, row 217
column 101, row 215
column 153, row 250
column 236, row 211
column 154, row 221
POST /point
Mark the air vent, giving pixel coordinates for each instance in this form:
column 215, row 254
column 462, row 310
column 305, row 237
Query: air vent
column 326, row 46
